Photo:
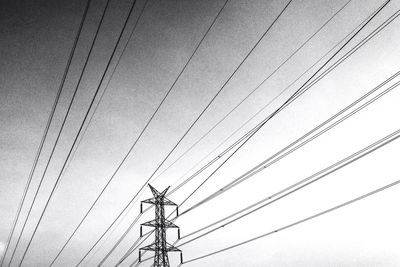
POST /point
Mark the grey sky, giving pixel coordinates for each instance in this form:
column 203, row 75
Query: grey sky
column 35, row 38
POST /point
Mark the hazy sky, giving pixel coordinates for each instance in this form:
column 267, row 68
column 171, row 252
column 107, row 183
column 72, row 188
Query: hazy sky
column 35, row 39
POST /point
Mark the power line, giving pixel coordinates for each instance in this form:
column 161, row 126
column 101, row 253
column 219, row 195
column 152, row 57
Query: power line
column 135, row 245
column 316, row 176
column 120, row 240
column 254, row 90
column 271, row 74
column 297, row 222
column 280, row 154
column 107, row 84
column 132, row 224
column 59, row 132
column 109, row 181
column 301, row 184
column 143, row 130
column 46, row 130
column 292, row 98
column 337, row 62
column 83, row 122
column 190, row 127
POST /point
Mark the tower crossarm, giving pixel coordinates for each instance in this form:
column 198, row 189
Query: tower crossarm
column 172, row 248
column 153, row 247
column 165, row 201
column 166, row 224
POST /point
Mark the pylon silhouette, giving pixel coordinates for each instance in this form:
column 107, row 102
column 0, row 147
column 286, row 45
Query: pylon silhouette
column 160, row 246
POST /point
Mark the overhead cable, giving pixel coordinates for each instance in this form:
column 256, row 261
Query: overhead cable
column 256, row 88
column 282, row 154
column 142, row 132
column 291, row 99
column 341, row 59
column 297, row 222
column 298, row 185
column 59, row 132
column 187, row 131
column 82, row 124
column 46, row 130
column 333, row 66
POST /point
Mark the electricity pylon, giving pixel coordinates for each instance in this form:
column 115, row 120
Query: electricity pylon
column 160, row 246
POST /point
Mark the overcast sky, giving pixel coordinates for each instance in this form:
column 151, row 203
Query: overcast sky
column 35, row 39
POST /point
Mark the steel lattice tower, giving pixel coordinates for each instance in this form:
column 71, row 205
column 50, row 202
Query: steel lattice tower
column 160, row 246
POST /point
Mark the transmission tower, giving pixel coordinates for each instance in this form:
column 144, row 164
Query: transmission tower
column 160, row 246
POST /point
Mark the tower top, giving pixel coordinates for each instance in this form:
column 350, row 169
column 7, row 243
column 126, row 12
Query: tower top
column 156, row 193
